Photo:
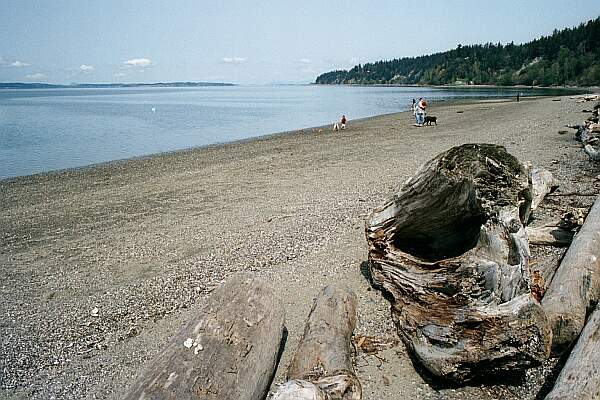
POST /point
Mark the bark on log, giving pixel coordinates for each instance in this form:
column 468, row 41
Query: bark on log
column 322, row 366
column 542, row 183
column 452, row 250
column 549, row 236
column 575, row 288
column 580, row 377
column 228, row 351
column 542, row 272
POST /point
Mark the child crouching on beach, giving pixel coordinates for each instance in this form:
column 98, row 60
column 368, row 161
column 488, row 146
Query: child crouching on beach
column 340, row 125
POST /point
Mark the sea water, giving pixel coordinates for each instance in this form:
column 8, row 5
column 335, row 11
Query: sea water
column 50, row 129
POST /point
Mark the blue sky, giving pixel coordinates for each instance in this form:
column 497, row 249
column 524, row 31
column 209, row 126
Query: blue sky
column 251, row 42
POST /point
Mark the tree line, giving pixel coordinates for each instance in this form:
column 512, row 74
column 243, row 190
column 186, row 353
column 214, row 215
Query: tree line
column 567, row 57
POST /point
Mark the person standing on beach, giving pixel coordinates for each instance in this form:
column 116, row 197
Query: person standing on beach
column 420, row 113
column 414, row 110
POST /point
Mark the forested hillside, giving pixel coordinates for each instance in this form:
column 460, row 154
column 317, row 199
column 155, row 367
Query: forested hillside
column 567, row 57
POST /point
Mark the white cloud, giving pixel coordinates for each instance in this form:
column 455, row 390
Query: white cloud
column 138, row 63
column 19, row 64
column 233, row 60
column 16, row 63
column 304, row 61
column 36, row 76
column 86, row 68
column 119, row 75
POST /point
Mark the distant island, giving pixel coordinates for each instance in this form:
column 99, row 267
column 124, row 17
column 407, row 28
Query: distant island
column 567, row 57
column 19, row 85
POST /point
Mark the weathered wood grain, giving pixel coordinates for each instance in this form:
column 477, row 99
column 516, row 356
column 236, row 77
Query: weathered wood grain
column 542, row 183
column 580, row 377
column 322, row 367
column 549, row 236
column 228, row 351
column 452, row 251
column 575, row 288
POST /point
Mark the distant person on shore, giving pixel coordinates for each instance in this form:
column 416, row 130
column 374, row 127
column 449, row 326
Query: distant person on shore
column 420, row 112
column 518, row 95
column 414, row 109
column 340, row 125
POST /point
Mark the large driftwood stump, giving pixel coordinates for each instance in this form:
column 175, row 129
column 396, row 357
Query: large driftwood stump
column 451, row 249
column 580, row 377
column 322, row 366
column 229, row 351
column 575, row 288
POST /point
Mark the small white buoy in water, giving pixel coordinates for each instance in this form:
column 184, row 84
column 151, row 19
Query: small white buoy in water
column 153, row 109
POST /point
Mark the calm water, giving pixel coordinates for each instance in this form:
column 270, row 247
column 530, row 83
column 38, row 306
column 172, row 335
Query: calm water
column 44, row 130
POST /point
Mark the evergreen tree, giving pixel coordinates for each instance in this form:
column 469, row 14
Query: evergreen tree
column 567, row 57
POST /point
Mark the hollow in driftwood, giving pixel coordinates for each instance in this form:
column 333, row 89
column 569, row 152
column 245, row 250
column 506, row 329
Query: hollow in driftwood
column 451, row 249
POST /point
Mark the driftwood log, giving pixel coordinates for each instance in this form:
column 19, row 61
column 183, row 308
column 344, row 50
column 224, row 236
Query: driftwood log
column 580, row 377
column 542, row 183
column 322, row 366
column 553, row 235
column 588, row 134
column 583, row 134
column 592, row 152
column 228, row 351
column 452, row 251
column 575, row 288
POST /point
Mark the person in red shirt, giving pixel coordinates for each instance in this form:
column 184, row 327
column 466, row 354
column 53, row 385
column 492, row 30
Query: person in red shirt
column 420, row 112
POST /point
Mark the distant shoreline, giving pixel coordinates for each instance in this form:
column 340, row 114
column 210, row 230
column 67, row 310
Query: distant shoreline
column 574, row 89
column 21, row 85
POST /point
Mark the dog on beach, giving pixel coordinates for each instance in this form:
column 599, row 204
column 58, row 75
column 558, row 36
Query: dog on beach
column 429, row 119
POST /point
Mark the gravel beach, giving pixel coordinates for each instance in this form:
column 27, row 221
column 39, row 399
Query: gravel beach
column 100, row 266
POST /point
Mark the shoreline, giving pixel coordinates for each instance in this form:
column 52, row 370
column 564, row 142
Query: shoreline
column 105, row 263
column 311, row 129
column 582, row 90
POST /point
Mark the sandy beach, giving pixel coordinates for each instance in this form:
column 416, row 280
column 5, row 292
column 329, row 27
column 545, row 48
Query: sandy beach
column 102, row 265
